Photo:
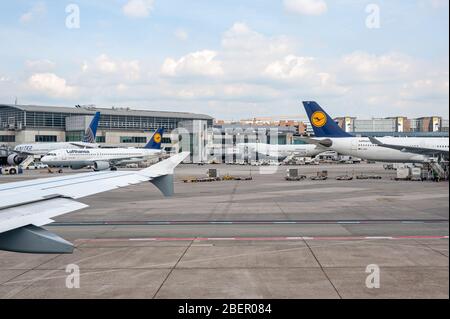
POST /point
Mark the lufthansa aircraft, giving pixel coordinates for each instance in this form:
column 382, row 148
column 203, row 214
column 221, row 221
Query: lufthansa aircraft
column 26, row 206
column 387, row 149
column 104, row 158
column 39, row 149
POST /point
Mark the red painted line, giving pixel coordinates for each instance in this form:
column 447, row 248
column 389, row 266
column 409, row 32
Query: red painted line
column 250, row 238
column 165, row 239
column 338, row 238
column 421, row 237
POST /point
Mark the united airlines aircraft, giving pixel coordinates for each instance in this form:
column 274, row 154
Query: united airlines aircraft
column 22, row 151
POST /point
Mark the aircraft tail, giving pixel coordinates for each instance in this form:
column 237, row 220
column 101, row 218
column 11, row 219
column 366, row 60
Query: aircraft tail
column 91, row 131
column 155, row 141
column 323, row 125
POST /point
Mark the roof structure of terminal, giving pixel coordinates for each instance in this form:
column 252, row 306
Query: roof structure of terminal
column 82, row 110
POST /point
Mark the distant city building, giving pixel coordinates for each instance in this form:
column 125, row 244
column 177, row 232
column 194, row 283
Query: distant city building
column 391, row 126
column 396, row 126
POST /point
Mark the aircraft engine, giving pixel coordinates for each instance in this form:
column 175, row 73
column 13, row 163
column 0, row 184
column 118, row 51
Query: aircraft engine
column 101, row 166
column 327, row 142
column 76, row 166
column 14, row 159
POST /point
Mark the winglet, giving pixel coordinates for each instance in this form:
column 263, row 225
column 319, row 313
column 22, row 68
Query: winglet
column 165, row 167
column 35, row 240
column 161, row 174
column 155, row 141
column 322, row 124
column 91, row 131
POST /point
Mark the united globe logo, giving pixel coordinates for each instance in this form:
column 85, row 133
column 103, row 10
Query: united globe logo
column 89, row 136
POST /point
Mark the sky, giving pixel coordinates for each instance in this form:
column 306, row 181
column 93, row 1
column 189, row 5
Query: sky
column 231, row 59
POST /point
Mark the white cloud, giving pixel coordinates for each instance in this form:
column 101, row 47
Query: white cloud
column 84, row 67
column 181, row 34
column 44, row 65
column 124, row 69
column 201, row 63
column 131, row 69
column 306, row 7
column 242, row 40
column 363, row 66
column 246, row 53
column 105, row 64
column 37, row 11
column 51, row 84
column 249, row 73
column 305, row 75
column 219, row 92
column 428, row 88
column 138, row 8
column 250, row 66
column 437, row 4
column 290, row 67
column 122, row 87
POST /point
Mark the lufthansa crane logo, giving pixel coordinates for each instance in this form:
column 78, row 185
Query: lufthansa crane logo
column 157, row 138
column 319, row 119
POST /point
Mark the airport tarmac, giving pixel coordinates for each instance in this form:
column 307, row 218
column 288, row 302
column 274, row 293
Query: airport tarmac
column 265, row 238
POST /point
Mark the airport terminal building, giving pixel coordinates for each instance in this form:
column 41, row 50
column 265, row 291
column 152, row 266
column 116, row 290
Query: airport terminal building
column 118, row 126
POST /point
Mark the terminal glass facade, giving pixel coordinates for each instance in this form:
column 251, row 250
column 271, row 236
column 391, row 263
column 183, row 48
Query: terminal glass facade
column 16, row 118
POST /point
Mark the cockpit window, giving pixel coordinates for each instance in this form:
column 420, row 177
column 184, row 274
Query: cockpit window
column 51, row 154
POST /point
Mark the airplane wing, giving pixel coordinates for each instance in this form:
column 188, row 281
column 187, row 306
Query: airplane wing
column 27, row 205
column 84, row 145
column 410, row 149
column 319, row 142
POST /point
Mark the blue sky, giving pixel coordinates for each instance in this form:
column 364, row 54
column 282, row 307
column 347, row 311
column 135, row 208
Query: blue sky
column 230, row 59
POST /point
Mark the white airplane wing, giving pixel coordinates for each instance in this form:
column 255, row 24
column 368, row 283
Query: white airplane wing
column 321, row 142
column 410, row 149
column 84, row 144
column 27, row 205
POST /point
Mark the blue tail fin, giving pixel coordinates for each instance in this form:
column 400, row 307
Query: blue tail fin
column 323, row 125
column 91, row 131
column 155, row 141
